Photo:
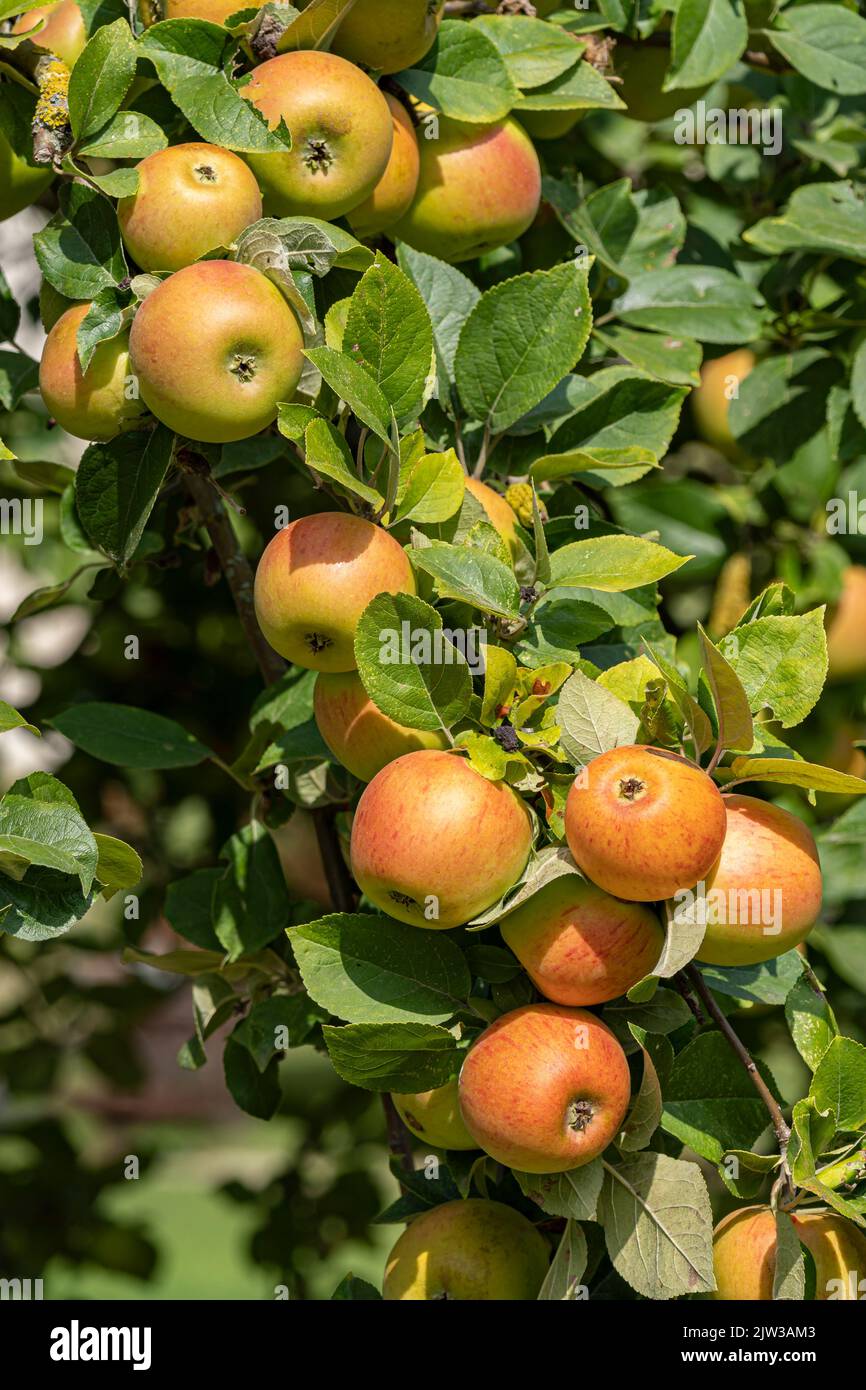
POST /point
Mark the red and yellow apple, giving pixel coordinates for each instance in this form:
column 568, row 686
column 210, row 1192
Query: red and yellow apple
column 642, row 69
column 499, row 513
column 744, row 1254
column 545, row 1089
column 388, row 35
column 95, row 404
column 479, row 188
column 473, row 1250
column 579, row 945
column 358, row 734
column 191, row 199
column 217, row 11
column 342, row 132
column 314, row 581
column 846, row 631
column 64, row 34
column 434, row 1116
column 711, row 401
column 764, row 894
column 434, row 843
column 393, row 194
column 224, row 380
column 643, row 823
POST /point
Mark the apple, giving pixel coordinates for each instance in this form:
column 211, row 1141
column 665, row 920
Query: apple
column 191, row 199
column 64, row 34
column 217, row 11
column 579, row 945
column 21, row 182
column 52, row 304
column 314, row 581
column 643, row 69
column 434, row 843
column 388, row 35
column 643, row 823
column 499, row 513
column 342, row 133
column 394, row 192
column 223, row 381
column 545, row 1089
column 95, row 404
column 434, row 1116
column 744, row 1254
column 472, row 1250
column 846, row 631
column 549, row 125
column 711, row 400
column 301, row 859
column 479, row 188
column 358, row 734
column 766, row 887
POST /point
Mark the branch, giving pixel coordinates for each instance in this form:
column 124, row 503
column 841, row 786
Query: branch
column 783, row 1133
column 399, row 1138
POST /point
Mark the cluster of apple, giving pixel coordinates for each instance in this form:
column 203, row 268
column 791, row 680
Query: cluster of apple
column 546, row 1087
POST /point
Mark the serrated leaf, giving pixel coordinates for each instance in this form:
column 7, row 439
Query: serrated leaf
column 404, row 1057
column 431, row 691
column 658, row 1226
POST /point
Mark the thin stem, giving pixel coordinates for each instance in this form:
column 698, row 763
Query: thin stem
column 715, row 759
column 783, row 1133
column 482, row 456
column 399, row 1138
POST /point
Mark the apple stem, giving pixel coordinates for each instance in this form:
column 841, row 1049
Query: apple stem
column 783, row 1133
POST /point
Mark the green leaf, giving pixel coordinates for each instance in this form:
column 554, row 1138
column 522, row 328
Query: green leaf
column 191, row 60
column 658, row 1226
column 581, row 88
column 534, row 52
column 625, row 410
column 675, row 360
column 276, row 1024
column 430, row 690
column 404, row 1057
column 793, row 773
column 354, row 385
column 643, row 1118
column 706, row 303
column 367, row 969
column 781, row 664
column 732, row 703
column 462, row 75
column 708, row 38
column 710, row 1102
column 40, row 824
column 820, row 217
column 839, row 1083
column 44, row 904
column 768, row 983
column 129, row 737
column 128, row 135
column 79, row 250
column 388, row 332
column 101, row 77
column 190, row 910
column 116, row 488
column 355, row 1289
column 592, row 719
column 810, row 1021
column 118, row 865
column 450, row 297
column 613, row 563
column 562, row 1281
column 469, row 574
column 431, row 489
column 789, row 1274
column 251, row 900
column 573, row 1194
column 11, row 719
column 327, row 453
column 256, row 1092
column 521, row 338
column 826, row 43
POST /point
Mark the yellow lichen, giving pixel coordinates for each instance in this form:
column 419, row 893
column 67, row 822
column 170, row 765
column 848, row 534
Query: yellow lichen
column 52, row 106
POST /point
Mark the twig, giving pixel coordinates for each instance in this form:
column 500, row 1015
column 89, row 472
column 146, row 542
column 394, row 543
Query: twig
column 783, row 1133
column 682, row 987
column 399, row 1138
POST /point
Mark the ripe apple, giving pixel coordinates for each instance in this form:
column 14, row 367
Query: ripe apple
column 224, row 380
column 473, row 1250
column 21, row 182
column 643, row 823
column 358, row 734
column 301, row 859
column 342, row 133
column 766, row 887
column 191, row 199
column 479, row 188
column 744, row 1254
column 545, row 1089
column 434, row 1116
column 499, row 513
column 549, row 125
column 643, row 68
column 93, row 404
column 711, row 400
column 64, row 34
column 314, row 581
column 217, row 11
column 434, row 843
column 389, row 35
column 394, row 192
column 846, row 632
column 581, row 946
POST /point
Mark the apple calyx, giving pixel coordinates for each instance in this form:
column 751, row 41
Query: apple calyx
column 317, row 156
column 205, row 173
column 317, row 642
column 243, row 365
column 579, row 1115
column 631, row 789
